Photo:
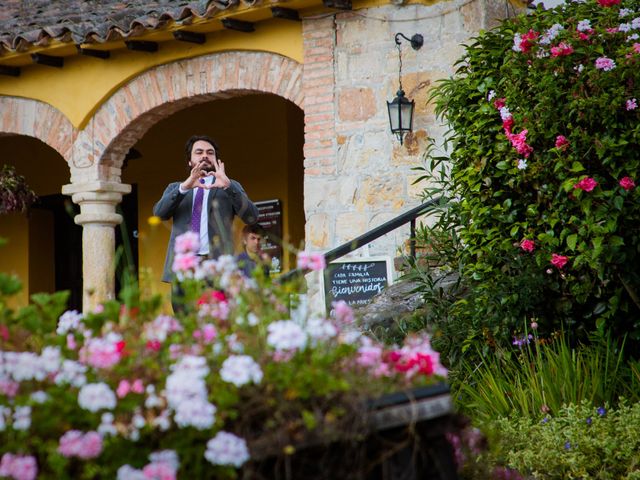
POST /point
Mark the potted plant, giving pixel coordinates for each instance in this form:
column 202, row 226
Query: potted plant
column 15, row 194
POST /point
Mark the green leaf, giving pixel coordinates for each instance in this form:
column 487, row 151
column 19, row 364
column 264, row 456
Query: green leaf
column 577, row 167
column 571, row 241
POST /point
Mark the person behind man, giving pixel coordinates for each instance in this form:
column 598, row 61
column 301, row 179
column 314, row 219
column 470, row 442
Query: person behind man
column 252, row 256
column 205, row 203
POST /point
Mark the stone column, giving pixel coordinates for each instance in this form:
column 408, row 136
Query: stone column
column 98, row 217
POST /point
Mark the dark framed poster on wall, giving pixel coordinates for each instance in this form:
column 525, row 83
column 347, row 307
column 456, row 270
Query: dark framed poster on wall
column 270, row 219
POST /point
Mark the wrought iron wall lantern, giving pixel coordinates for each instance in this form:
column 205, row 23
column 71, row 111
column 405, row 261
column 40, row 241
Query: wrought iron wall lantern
column 401, row 108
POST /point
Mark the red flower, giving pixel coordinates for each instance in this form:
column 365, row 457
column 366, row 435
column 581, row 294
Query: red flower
column 120, row 346
column 499, row 103
column 526, row 40
column 4, row 333
column 508, row 124
column 214, row 296
column 154, row 345
column 527, row 245
column 562, row 50
column 561, row 141
column 587, row 184
column 608, row 3
column 558, row 261
column 627, row 183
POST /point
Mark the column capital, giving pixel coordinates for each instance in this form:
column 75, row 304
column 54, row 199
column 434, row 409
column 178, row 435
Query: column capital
column 98, row 201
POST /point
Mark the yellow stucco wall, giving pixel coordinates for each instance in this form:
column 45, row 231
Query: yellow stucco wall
column 45, row 171
column 84, row 83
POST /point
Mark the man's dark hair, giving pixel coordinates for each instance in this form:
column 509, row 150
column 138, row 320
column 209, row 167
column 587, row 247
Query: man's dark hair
column 196, row 138
column 254, row 228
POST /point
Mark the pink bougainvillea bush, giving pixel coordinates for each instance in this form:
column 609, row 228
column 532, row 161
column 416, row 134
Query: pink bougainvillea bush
column 541, row 170
column 126, row 392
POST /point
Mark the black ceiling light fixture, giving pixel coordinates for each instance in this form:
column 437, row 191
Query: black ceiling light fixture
column 401, row 108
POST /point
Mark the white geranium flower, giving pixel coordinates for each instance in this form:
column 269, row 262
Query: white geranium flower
column 227, row 449
column 240, row 370
column 286, row 335
column 96, row 396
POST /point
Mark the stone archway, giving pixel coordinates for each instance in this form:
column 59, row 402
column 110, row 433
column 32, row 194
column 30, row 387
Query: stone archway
column 40, row 120
column 161, row 91
column 100, row 148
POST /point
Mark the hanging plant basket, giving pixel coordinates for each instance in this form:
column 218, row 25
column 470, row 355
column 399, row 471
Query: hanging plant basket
column 15, row 194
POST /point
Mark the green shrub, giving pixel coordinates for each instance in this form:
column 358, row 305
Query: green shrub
column 540, row 169
column 583, row 441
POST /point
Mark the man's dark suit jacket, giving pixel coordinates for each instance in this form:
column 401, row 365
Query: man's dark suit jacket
column 222, row 206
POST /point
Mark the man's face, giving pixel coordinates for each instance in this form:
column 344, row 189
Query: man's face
column 252, row 242
column 203, row 154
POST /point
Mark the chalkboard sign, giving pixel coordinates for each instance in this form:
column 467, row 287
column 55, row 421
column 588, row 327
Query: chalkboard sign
column 356, row 281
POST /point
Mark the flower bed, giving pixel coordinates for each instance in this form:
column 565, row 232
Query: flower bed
column 124, row 392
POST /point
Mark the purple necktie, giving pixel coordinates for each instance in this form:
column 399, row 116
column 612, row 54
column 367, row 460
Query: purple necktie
column 197, row 211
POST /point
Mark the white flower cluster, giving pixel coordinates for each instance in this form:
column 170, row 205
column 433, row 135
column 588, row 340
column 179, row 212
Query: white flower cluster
column 69, row 321
column 227, row 449
column 71, row 372
column 286, row 335
column 240, row 370
column 96, row 396
column 505, row 114
column 106, row 427
column 24, row 366
column 186, row 393
column 517, row 39
column 551, row 34
column 584, row 25
column 162, row 326
column 224, row 267
column 22, row 418
column 321, row 329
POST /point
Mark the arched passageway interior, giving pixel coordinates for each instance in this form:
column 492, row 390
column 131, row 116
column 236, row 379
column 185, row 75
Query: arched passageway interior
column 261, row 143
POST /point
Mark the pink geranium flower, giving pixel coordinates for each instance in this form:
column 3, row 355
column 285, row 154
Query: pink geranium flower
column 311, row 261
column 502, row 102
column 605, row 64
column 82, row 445
column 527, row 245
column 631, row 104
column 519, row 142
column 608, row 3
column 18, row 467
column 558, row 261
column 561, row 141
column 587, row 184
column 185, row 261
column 188, row 242
column 627, row 183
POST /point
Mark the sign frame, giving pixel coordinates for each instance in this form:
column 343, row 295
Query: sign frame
column 326, row 297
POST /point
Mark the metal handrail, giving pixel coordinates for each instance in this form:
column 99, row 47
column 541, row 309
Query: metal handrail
column 371, row 235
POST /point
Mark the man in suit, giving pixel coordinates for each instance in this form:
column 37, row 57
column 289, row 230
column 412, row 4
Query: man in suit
column 219, row 200
column 252, row 254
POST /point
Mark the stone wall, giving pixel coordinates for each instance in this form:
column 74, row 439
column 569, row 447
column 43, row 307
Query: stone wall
column 364, row 176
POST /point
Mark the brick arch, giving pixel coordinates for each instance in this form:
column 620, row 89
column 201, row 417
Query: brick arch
column 23, row 116
column 161, row 91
